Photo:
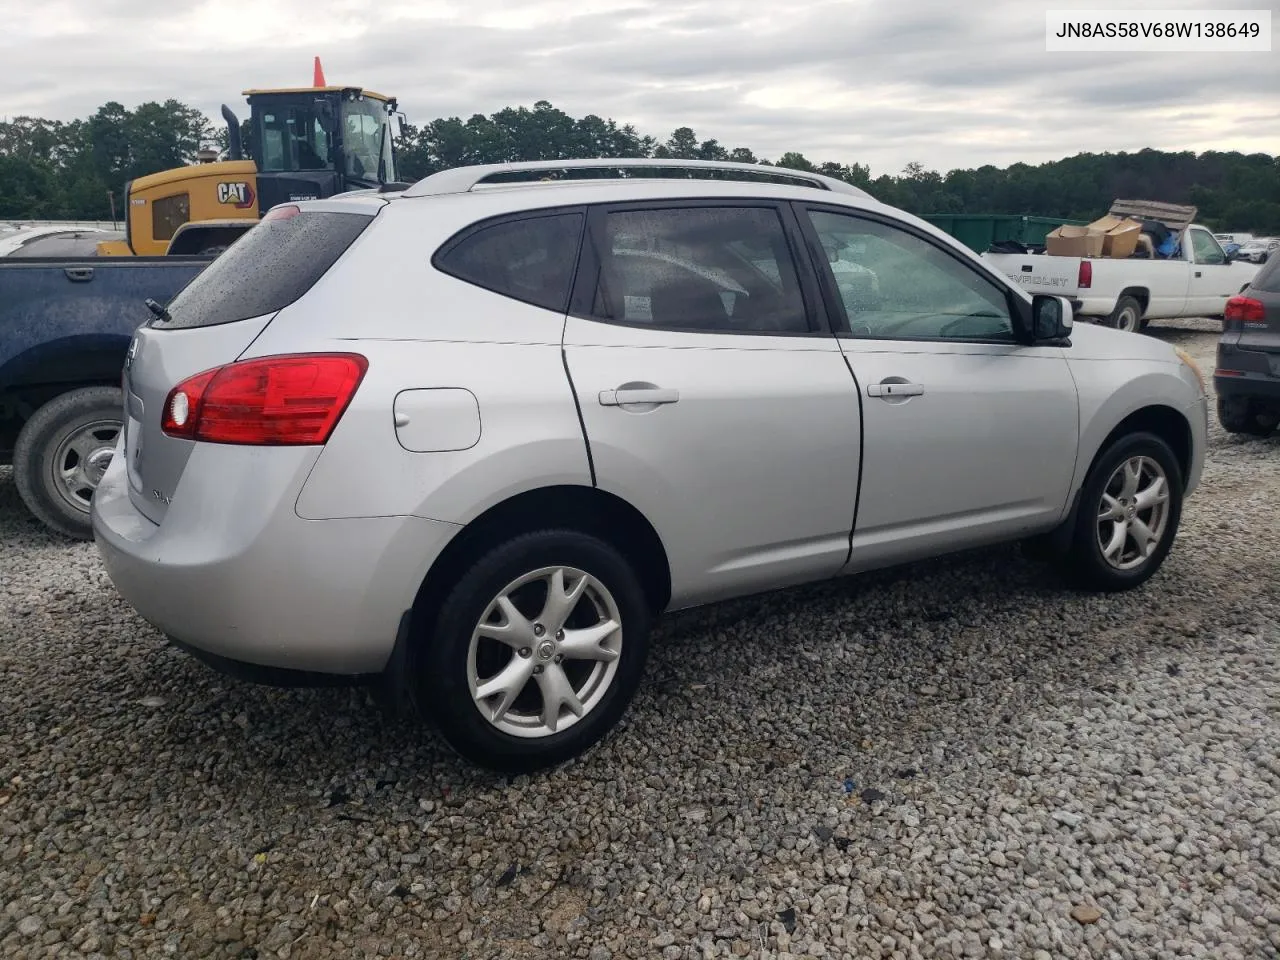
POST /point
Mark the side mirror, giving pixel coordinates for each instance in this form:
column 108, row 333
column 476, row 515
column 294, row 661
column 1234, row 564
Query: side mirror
column 1051, row 318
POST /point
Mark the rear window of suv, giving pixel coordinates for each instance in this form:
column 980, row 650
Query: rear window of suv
column 267, row 269
column 1267, row 279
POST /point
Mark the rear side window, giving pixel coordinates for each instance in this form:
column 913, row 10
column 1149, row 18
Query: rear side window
column 1267, row 280
column 530, row 259
column 267, row 269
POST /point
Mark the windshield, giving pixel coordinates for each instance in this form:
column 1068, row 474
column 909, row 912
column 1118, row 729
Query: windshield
column 366, row 137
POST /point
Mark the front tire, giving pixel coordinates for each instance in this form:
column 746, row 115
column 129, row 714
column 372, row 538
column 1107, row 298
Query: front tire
column 62, row 453
column 1130, row 508
column 536, row 651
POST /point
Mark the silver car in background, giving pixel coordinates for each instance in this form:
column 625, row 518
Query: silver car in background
column 471, row 438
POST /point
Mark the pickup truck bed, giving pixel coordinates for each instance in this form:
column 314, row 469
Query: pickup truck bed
column 1128, row 292
column 65, row 325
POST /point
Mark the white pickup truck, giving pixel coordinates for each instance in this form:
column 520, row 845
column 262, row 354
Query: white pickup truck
column 1126, row 293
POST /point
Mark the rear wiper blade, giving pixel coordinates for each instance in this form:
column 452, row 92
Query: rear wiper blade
column 158, row 310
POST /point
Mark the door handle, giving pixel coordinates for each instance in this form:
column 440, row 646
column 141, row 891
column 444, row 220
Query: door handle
column 616, row 398
column 78, row 274
column 1197, row 273
column 893, row 389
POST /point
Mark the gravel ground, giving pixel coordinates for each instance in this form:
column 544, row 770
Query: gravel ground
column 960, row 759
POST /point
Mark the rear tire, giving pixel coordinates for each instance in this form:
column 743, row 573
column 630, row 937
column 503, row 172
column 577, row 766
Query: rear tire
column 1127, row 315
column 1240, row 415
column 515, row 728
column 1126, row 524
column 61, row 454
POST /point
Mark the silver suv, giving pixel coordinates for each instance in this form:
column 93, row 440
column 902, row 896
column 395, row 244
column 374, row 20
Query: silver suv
column 471, row 438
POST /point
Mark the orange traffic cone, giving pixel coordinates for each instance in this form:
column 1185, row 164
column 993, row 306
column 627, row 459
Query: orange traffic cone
column 319, row 75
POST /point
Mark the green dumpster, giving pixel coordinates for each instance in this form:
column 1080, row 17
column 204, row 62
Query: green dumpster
column 978, row 231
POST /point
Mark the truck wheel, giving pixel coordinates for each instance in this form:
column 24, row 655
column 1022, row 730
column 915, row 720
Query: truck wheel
column 61, row 454
column 1127, row 315
column 1239, row 415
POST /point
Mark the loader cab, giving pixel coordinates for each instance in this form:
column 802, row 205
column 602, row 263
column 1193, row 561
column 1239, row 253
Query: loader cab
column 314, row 142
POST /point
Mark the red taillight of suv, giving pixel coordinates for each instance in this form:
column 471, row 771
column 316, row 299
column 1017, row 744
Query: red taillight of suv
column 289, row 400
column 1245, row 310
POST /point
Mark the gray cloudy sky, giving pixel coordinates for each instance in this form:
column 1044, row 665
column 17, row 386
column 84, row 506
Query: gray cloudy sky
column 946, row 82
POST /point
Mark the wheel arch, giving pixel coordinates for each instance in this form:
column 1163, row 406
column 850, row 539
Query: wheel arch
column 587, row 509
column 192, row 237
column 1166, row 422
column 48, row 370
column 1141, row 294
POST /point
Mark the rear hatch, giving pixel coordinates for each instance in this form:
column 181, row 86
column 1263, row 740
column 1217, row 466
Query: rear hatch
column 1039, row 273
column 214, row 319
column 1259, row 329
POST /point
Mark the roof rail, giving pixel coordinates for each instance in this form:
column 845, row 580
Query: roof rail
column 464, row 179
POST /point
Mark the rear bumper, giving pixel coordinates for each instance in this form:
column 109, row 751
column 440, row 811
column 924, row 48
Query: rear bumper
column 235, row 576
column 1255, row 372
column 1261, row 385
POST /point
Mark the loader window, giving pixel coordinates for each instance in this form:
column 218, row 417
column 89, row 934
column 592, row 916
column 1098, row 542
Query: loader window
column 168, row 214
column 293, row 139
column 366, row 140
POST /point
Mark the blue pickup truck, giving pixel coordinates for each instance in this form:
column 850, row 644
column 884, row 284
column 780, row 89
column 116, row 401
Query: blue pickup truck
column 65, row 325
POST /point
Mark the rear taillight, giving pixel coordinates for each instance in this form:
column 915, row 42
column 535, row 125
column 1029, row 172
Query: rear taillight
column 272, row 401
column 1245, row 310
column 1085, row 280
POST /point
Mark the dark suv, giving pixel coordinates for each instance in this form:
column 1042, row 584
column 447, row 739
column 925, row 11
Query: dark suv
column 1247, row 378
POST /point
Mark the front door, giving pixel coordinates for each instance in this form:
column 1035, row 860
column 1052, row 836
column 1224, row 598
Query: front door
column 969, row 437
column 712, row 396
column 1213, row 280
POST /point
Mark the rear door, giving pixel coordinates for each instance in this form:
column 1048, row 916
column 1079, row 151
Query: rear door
column 712, row 395
column 969, row 436
column 212, row 321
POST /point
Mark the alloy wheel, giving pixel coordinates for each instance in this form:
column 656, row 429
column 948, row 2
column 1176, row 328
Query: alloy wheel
column 545, row 652
column 1133, row 513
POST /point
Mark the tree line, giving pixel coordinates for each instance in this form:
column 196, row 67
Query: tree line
column 51, row 169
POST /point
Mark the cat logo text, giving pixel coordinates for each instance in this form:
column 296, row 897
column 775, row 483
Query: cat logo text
column 239, row 194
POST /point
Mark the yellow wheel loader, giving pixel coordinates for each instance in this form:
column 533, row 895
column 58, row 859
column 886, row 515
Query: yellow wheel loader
column 306, row 143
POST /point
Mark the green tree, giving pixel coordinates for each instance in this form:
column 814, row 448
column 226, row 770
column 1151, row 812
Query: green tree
column 65, row 169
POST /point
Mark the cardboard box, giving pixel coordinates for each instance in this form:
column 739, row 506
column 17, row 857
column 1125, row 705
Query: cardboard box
column 1119, row 235
column 1073, row 242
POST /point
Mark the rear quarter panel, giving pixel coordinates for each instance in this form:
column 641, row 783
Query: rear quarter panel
column 423, row 329
column 1164, row 281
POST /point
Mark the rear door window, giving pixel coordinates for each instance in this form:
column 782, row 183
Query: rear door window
column 708, row 269
column 267, row 269
column 526, row 258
